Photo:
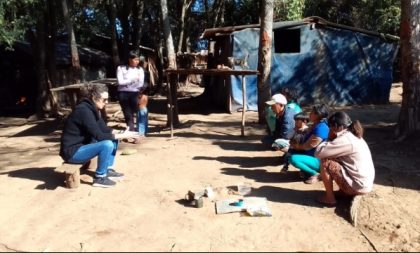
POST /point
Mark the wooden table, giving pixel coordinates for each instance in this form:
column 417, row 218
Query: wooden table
column 214, row 72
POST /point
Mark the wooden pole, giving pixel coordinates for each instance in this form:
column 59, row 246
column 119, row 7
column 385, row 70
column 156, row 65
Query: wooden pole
column 243, row 105
column 170, row 106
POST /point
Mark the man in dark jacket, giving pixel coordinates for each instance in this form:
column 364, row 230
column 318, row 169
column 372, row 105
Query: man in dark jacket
column 86, row 135
column 285, row 122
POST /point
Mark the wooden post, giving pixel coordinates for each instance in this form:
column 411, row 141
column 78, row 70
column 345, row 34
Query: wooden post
column 71, row 173
column 170, row 106
column 72, row 179
column 243, row 105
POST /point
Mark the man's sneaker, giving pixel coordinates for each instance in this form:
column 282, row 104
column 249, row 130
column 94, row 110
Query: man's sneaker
column 112, row 174
column 104, row 182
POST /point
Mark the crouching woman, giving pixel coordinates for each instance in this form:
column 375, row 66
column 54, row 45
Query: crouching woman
column 345, row 159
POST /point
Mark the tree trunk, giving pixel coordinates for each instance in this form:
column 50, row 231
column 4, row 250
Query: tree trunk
column 112, row 16
column 185, row 8
column 75, row 62
column 42, row 105
column 409, row 119
column 125, row 25
column 138, row 9
column 171, row 64
column 264, row 57
column 51, row 39
column 217, row 12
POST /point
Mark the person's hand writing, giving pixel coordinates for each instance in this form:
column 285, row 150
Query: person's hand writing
column 127, row 134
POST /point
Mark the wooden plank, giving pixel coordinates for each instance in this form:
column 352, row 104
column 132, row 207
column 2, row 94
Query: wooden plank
column 68, row 167
column 220, row 72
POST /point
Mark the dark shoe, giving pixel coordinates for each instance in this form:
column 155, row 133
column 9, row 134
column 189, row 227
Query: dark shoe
column 104, row 182
column 313, row 179
column 303, row 175
column 284, row 169
column 112, row 174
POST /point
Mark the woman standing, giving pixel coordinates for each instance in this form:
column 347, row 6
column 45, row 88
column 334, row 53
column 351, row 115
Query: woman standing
column 345, row 159
column 130, row 81
column 318, row 132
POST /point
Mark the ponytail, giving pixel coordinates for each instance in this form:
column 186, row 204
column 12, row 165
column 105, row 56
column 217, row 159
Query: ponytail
column 342, row 119
column 356, row 128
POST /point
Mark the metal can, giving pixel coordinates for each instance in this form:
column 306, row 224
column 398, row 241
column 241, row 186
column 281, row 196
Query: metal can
column 198, row 203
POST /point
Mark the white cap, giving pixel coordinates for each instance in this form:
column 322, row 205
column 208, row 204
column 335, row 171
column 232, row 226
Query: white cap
column 277, row 99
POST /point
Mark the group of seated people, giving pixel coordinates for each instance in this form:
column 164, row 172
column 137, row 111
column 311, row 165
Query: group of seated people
column 324, row 147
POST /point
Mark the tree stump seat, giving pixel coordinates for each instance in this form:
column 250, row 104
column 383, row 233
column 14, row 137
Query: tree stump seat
column 355, row 206
column 72, row 173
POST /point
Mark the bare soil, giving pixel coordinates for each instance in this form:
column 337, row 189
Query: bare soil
column 147, row 211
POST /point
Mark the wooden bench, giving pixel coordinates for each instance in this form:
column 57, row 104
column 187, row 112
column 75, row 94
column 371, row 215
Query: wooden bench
column 72, row 172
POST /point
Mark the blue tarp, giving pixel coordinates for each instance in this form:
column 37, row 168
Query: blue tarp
column 334, row 66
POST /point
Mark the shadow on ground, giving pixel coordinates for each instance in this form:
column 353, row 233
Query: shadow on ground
column 40, row 129
column 285, row 195
column 245, row 162
column 263, row 176
column 51, row 179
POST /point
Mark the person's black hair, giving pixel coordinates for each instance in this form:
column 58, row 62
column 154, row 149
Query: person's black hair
column 342, row 119
column 301, row 116
column 290, row 93
column 321, row 110
column 133, row 54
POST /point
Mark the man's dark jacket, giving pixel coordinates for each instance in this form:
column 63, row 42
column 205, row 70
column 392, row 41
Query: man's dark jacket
column 83, row 126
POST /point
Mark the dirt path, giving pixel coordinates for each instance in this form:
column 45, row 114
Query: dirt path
column 146, row 211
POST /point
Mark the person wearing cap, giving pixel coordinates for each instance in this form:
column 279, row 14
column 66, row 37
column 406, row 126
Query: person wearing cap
column 284, row 122
column 130, row 80
column 291, row 96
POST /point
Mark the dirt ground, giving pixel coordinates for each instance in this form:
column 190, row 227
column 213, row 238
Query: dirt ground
column 147, row 211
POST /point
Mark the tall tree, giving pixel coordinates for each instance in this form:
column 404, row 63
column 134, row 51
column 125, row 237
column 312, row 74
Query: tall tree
column 138, row 9
column 51, row 41
column 172, row 98
column 75, row 62
column 112, row 16
column 185, row 8
column 264, row 55
column 39, row 51
column 409, row 120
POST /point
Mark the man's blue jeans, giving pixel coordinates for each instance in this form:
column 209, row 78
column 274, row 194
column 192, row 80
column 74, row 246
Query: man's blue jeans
column 105, row 150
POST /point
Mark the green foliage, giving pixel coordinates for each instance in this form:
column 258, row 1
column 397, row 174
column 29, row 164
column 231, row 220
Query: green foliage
column 16, row 17
column 241, row 12
column 375, row 15
column 89, row 19
column 285, row 10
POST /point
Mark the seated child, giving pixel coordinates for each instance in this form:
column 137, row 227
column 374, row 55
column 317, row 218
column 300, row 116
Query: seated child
column 300, row 130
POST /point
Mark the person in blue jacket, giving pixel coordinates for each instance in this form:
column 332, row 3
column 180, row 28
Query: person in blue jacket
column 292, row 102
column 284, row 122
